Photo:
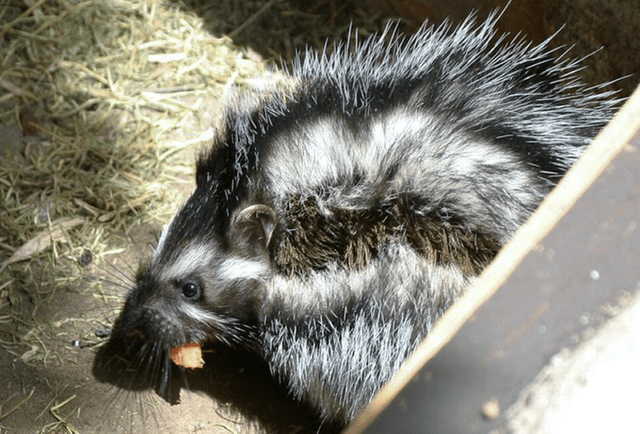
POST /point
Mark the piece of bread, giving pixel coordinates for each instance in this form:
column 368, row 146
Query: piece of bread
column 189, row 356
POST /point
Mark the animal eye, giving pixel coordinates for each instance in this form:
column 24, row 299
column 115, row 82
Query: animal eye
column 190, row 289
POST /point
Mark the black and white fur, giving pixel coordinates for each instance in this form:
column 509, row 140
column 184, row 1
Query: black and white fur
column 336, row 218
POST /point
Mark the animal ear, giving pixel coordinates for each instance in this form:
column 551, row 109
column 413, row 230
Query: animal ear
column 253, row 227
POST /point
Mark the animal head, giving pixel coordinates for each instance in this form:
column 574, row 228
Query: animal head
column 203, row 281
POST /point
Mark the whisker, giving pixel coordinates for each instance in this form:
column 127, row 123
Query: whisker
column 116, row 272
column 109, row 282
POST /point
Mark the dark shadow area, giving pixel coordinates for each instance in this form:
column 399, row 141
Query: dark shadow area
column 237, row 378
column 277, row 30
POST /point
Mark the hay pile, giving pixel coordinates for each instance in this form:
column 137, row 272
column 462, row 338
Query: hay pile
column 109, row 91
